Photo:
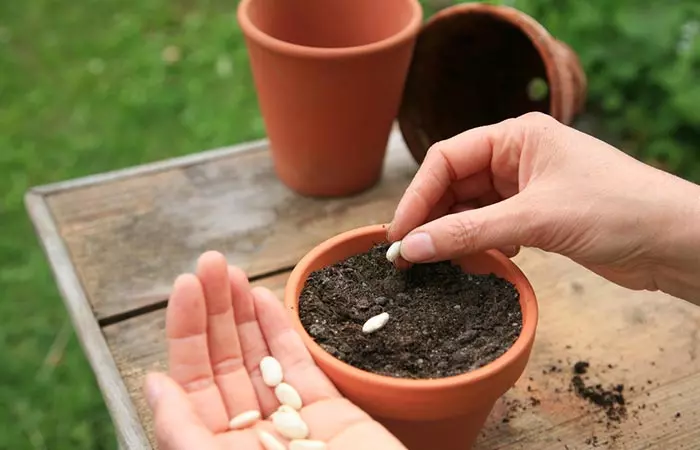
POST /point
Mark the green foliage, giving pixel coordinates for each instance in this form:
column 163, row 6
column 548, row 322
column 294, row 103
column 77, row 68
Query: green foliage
column 642, row 60
column 87, row 87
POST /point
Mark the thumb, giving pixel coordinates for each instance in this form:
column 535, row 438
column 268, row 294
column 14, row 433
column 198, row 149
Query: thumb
column 177, row 426
column 507, row 223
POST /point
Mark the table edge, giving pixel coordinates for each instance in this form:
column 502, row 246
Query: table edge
column 122, row 410
column 149, row 168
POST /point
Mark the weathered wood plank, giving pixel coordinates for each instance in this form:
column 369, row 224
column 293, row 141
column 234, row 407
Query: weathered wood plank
column 130, row 236
column 646, row 336
column 146, row 335
column 129, row 430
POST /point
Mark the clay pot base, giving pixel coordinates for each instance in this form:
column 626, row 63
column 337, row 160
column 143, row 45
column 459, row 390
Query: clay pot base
column 442, row 321
column 469, row 70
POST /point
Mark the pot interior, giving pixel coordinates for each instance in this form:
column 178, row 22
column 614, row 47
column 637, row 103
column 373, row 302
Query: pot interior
column 469, row 70
column 331, row 24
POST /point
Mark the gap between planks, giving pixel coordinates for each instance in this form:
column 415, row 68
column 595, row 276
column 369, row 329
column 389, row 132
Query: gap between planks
column 161, row 301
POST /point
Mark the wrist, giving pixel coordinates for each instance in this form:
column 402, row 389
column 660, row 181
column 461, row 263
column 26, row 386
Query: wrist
column 677, row 250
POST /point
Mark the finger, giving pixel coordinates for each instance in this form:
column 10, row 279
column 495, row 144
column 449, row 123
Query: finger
column 506, row 223
column 188, row 353
column 510, row 251
column 452, row 160
column 286, row 346
column 489, row 198
column 402, row 264
column 177, row 425
column 345, row 426
column 445, row 163
column 442, row 206
column 224, row 346
column 473, row 186
column 461, row 207
column 251, row 338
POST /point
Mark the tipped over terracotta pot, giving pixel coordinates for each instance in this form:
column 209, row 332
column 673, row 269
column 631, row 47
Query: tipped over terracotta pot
column 329, row 77
column 425, row 414
column 477, row 64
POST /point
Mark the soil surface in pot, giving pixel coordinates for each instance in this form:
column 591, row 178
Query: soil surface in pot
column 442, row 322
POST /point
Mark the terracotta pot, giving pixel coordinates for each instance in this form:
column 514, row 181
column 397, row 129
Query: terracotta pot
column 447, row 413
column 473, row 65
column 329, row 77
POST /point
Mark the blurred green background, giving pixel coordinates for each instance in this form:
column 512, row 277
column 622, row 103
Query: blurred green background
column 97, row 85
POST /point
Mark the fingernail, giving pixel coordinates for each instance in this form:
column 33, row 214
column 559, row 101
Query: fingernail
column 153, row 389
column 418, row 247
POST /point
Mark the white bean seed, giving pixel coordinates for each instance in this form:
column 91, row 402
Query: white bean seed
column 375, row 323
column 244, row 419
column 284, row 409
column 394, row 251
column 287, row 395
column 269, row 442
column 305, row 444
column 290, row 425
column 271, row 371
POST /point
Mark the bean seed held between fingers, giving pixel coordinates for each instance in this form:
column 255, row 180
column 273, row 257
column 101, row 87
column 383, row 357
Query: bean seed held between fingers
column 394, row 251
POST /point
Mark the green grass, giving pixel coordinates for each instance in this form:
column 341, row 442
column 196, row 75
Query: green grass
column 84, row 88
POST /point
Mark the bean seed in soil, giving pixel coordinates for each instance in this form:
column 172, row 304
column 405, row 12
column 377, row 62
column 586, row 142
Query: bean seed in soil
column 375, row 323
column 424, row 325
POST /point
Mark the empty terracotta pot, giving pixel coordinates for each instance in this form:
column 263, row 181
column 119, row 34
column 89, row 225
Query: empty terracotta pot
column 428, row 414
column 476, row 64
column 329, row 77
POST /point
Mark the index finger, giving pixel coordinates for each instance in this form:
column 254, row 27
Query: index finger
column 445, row 163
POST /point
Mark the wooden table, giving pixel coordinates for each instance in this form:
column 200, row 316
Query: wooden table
column 116, row 241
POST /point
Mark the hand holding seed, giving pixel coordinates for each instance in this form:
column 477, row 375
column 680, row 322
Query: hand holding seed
column 393, row 254
column 241, row 379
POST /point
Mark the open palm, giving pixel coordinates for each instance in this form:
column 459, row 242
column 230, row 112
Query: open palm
column 218, row 330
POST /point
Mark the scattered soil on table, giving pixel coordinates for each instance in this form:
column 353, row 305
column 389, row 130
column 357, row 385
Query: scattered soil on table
column 442, row 322
column 580, row 376
column 611, row 399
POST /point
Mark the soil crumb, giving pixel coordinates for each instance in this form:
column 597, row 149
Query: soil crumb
column 442, row 322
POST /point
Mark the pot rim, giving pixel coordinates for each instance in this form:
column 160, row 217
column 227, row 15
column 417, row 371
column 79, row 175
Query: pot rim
column 510, row 357
column 408, row 32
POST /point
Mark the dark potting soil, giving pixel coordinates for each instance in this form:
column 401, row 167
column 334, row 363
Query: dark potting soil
column 442, row 322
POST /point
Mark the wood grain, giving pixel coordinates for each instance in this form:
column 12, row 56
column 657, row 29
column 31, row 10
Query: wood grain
column 129, row 430
column 130, row 235
column 645, row 336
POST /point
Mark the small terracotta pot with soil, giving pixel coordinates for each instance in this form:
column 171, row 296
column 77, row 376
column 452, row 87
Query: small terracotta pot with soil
column 477, row 64
column 459, row 334
column 329, row 77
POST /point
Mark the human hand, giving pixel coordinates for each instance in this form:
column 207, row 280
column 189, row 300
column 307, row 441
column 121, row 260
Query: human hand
column 532, row 181
column 218, row 330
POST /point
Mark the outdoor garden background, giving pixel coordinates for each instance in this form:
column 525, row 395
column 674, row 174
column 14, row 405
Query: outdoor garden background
column 94, row 85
